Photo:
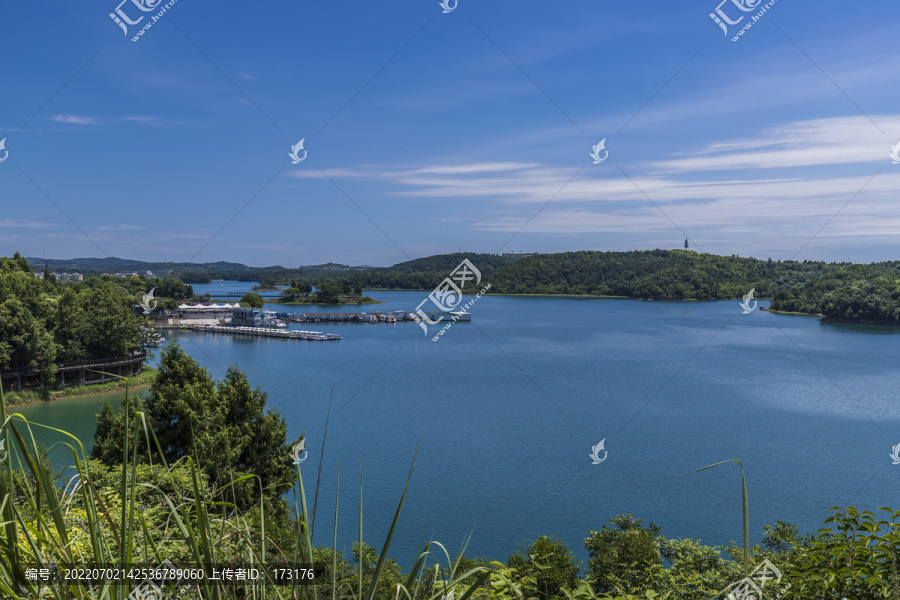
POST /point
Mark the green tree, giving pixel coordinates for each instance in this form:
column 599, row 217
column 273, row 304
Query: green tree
column 622, row 556
column 110, row 433
column 551, row 564
column 252, row 300
column 109, row 326
column 329, row 292
column 223, row 425
column 24, row 340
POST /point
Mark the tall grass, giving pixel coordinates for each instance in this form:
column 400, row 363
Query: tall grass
column 84, row 523
column 745, row 508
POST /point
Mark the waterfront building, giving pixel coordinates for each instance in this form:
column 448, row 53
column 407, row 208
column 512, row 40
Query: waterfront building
column 255, row 317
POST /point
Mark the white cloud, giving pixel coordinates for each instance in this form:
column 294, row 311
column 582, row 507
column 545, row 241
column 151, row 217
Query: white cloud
column 834, row 141
column 13, row 223
column 774, row 190
column 75, row 120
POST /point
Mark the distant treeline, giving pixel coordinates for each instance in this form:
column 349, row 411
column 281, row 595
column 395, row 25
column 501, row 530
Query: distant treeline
column 853, row 293
column 652, row 274
column 840, row 291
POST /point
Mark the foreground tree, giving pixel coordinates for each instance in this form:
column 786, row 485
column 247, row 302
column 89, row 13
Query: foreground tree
column 551, row 564
column 622, row 556
column 223, row 425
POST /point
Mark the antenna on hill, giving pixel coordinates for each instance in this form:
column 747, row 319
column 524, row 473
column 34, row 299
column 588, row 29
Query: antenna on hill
column 685, row 243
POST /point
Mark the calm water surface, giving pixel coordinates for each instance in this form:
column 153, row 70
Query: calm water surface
column 506, row 409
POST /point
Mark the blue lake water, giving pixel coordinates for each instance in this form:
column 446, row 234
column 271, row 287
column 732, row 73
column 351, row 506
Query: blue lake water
column 505, row 410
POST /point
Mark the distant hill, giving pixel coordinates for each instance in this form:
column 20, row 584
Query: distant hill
column 656, row 274
column 647, row 274
column 851, row 294
column 444, row 263
column 113, row 264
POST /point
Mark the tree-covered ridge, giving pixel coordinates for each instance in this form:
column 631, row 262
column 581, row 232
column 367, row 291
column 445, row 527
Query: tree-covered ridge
column 656, row 274
column 858, row 293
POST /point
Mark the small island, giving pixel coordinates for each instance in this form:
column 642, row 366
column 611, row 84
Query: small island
column 327, row 292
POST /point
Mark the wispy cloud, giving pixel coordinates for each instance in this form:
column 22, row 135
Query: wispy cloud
column 75, row 120
column 768, row 189
column 116, row 227
column 142, row 119
column 834, row 141
column 13, row 223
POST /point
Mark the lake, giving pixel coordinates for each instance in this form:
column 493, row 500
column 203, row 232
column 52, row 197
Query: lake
column 505, row 411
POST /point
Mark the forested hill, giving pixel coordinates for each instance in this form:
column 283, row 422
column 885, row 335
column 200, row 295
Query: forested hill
column 445, row 263
column 853, row 293
column 659, row 274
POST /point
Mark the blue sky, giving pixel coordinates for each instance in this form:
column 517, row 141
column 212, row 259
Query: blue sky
column 428, row 132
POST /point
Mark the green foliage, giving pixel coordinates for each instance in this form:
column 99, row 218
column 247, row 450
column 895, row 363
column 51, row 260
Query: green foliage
column 224, row 425
column 389, row 577
column 251, row 300
column 552, row 565
column 622, row 556
column 43, row 323
column 692, row 570
column 193, row 277
column 856, row 293
column 855, row 557
column 657, row 274
column 166, row 287
column 329, row 292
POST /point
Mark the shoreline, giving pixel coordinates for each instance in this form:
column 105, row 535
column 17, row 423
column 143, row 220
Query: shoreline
column 789, row 312
column 324, row 303
column 836, row 320
column 137, row 383
column 875, row 322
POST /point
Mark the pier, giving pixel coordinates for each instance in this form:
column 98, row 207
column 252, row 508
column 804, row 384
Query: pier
column 269, row 332
column 373, row 317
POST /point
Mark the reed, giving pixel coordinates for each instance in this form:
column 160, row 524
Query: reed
column 746, row 510
column 84, row 523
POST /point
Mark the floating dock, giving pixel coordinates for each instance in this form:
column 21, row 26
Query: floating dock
column 373, row 317
column 269, row 332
